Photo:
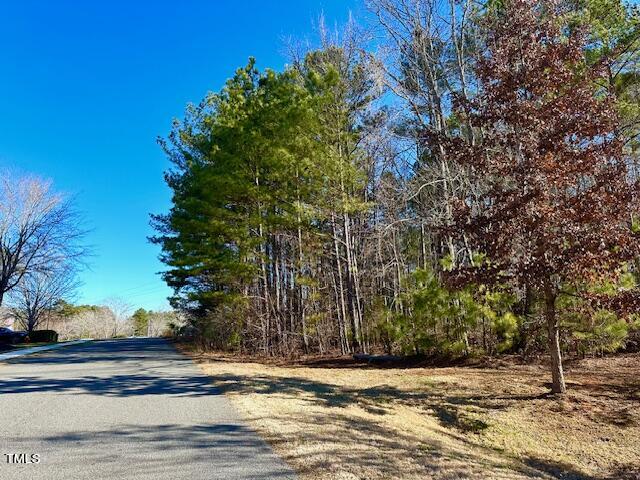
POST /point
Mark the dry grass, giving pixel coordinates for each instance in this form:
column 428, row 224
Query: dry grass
column 340, row 421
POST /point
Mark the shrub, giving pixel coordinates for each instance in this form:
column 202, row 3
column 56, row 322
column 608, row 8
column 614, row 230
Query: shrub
column 221, row 328
column 453, row 322
column 593, row 330
column 43, row 336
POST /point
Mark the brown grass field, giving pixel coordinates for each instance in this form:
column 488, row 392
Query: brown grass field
column 339, row 419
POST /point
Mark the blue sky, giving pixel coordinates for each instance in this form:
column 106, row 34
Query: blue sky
column 87, row 87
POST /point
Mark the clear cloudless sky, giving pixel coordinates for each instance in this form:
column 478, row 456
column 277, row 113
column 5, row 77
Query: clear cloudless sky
column 87, row 87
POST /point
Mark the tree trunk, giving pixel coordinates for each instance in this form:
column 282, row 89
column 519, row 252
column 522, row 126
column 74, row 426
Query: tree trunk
column 557, row 375
column 301, row 288
column 339, row 284
column 423, row 246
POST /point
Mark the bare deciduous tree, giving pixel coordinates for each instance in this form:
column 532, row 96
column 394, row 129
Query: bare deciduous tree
column 159, row 323
column 120, row 316
column 110, row 320
column 39, row 230
column 38, row 293
column 428, row 55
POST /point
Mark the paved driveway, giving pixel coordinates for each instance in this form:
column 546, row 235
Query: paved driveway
column 124, row 409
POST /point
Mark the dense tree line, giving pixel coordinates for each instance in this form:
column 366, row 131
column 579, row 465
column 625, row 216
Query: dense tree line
column 113, row 318
column 469, row 187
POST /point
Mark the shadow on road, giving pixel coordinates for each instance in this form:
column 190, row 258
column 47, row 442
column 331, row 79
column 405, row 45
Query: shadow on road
column 227, row 449
column 118, row 351
column 113, row 385
column 142, row 360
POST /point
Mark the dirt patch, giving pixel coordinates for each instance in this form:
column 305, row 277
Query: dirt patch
column 348, row 422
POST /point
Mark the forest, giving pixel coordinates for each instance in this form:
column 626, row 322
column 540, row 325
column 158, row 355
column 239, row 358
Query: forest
column 442, row 177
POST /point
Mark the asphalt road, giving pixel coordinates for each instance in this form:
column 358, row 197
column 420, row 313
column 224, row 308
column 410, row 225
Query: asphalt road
column 124, row 409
